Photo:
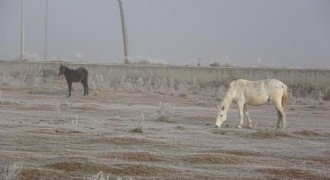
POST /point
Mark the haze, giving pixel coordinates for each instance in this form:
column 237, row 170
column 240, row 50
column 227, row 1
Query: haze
column 277, row 33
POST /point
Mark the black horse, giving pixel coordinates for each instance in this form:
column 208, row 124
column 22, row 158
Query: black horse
column 77, row 75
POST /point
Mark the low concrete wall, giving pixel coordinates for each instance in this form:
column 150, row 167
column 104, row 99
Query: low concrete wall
column 201, row 75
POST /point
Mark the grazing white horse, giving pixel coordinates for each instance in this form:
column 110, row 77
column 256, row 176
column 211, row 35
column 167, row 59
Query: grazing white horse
column 245, row 92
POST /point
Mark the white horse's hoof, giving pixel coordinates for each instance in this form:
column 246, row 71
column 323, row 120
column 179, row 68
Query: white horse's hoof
column 239, row 126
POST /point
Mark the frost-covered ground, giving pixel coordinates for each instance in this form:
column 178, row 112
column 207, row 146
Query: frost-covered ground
column 129, row 134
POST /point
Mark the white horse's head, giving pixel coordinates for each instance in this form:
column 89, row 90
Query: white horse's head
column 221, row 115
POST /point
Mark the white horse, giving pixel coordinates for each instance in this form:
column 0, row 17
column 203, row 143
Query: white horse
column 255, row 93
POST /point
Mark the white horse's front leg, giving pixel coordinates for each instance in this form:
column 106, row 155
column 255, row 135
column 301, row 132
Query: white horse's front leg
column 240, row 108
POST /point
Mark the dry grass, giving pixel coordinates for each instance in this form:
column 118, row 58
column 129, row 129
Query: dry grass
column 201, row 118
column 180, row 128
column 28, row 174
column 140, row 170
column 11, row 172
column 8, row 103
column 290, row 173
column 75, row 166
column 234, row 152
column 190, row 149
column 136, row 130
column 135, row 156
column 326, row 96
column 212, row 158
column 119, row 169
column 306, row 133
column 164, row 119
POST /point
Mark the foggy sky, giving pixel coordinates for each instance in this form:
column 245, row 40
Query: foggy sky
column 275, row 33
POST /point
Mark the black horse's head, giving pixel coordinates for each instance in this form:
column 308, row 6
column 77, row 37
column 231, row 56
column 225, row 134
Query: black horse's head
column 61, row 70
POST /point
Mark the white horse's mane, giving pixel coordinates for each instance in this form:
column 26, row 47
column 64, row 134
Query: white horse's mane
column 230, row 94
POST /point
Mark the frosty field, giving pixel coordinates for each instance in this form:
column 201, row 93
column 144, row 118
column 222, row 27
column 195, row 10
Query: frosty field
column 131, row 134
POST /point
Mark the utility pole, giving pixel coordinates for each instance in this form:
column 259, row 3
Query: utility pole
column 125, row 40
column 22, row 31
column 46, row 31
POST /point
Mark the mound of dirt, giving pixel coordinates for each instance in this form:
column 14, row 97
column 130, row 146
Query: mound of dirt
column 270, row 134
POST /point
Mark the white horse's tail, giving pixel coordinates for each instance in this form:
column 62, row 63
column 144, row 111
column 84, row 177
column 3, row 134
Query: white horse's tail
column 285, row 98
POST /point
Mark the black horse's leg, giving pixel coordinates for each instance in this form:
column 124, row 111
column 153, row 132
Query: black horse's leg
column 84, row 85
column 69, row 87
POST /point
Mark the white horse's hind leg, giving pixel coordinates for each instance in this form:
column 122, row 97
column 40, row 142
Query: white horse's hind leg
column 240, row 108
column 283, row 120
column 246, row 113
column 281, row 115
column 279, row 119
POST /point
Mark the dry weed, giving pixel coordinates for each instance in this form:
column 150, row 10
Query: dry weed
column 11, row 172
column 99, row 176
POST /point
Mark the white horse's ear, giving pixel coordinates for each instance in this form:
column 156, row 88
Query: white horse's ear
column 223, row 108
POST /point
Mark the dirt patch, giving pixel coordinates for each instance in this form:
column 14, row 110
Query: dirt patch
column 313, row 160
column 120, row 169
column 221, row 132
column 234, row 152
column 306, row 133
column 85, row 108
column 68, row 132
column 290, row 173
column 180, row 128
column 164, row 119
column 135, row 156
column 38, row 108
column 73, row 166
column 28, row 174
column 119, row 141
column 136, row 130
column 200, row 118
column 86, row 167
column 270, row 134
column 139, row 170
column 212, row 158
column 52, row 145
column 8, row 103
